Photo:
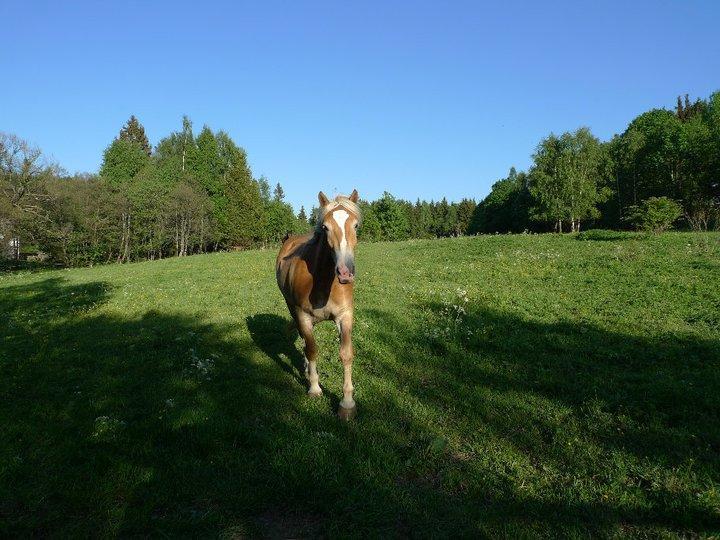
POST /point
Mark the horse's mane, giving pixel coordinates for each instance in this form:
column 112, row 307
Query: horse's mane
column 340, row 200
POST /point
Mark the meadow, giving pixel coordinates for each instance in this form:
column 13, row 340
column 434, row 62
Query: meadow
column 526, row 385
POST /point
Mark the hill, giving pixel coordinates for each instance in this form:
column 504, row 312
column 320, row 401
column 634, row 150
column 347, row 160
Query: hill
column 513, row 385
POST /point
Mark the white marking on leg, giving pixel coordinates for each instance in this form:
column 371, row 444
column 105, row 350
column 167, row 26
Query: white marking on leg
column 340, row 217
column 347, row 401
column 313, row 377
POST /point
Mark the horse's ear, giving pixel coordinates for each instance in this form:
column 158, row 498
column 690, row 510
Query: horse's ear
column 354, row 196
column 323, row 200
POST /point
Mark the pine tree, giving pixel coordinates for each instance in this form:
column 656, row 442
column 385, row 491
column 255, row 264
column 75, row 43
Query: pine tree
column 134, row 132
column 679, row 112
column 278, row 193
column 122, row 160
column 245, row 206
column 264, row 186
column 302, row 218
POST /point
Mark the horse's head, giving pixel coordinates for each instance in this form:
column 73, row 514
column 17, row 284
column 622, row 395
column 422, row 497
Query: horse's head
column 338, row 223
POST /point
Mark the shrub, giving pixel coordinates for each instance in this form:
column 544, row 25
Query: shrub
column 655, row 214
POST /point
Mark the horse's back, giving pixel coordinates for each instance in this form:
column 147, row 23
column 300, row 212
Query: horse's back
column 290, row 247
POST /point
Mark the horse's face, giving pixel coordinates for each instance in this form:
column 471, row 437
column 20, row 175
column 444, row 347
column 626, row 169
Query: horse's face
column 340, row 231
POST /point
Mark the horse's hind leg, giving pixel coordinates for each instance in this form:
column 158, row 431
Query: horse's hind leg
column 306, row 331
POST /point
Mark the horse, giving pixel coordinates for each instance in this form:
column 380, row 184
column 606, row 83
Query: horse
column 316, row 273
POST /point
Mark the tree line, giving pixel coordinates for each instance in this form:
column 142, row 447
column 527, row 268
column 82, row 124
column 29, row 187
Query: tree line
column 191, row 194
column 663, row 160
column 194, row 193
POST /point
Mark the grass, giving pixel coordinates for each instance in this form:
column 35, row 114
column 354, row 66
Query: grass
column 506, row 386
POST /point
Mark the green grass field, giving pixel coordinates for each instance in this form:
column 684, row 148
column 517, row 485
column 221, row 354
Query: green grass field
column 506, row 385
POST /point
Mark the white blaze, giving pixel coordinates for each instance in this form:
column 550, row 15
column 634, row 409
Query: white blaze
column 340, row 217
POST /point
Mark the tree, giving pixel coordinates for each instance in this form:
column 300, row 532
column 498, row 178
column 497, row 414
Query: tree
column 506, row 208
column 188, row 212
column 465, row 209
column 24, row 198
column 370, row 228
column 134, row 132
column 122, row 160
column 421, row 223
column 391, row 218
column 303, row 223
column 279, row 220
column 264, row 187
column 278, row 193
column 245, row 206
column 569, row 178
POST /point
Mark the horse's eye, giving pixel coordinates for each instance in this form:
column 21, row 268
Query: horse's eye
column 356, row 225
column 325, row 228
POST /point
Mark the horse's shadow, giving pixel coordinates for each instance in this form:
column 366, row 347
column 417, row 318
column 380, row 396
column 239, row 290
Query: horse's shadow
column 276, row 337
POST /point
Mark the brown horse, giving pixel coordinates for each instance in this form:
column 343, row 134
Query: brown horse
column 315, row 273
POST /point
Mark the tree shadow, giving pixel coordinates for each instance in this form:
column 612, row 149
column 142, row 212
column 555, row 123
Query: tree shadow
column 162, row 424
column 565, row 394
column 134, row 424
column 605, row 235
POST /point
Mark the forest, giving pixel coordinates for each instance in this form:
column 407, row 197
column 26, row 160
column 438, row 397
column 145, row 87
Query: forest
column 195, row 193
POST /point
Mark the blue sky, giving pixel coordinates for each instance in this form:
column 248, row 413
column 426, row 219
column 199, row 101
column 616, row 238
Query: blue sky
column 422, row 99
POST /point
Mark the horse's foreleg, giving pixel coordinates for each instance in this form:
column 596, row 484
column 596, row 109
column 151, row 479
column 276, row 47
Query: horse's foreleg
column 347, row 405
column 306, row 331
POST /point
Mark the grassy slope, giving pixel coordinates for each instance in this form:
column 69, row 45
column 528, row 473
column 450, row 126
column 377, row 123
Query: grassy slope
column 574, row 390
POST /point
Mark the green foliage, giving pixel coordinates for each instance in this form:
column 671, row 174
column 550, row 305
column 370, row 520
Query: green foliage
column 655, row 214
column 568, row 178
column 122, row 160
column 505, row 386
column 506, row 208
column 278, row 193
column 303, row 223
column 391, row 218
column 145, row 197
column 134, row 132
column 244, row 206
column 279, row 221
column 464, row 216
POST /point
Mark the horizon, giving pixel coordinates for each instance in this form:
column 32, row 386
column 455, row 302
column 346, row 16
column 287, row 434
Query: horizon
column 420, row 101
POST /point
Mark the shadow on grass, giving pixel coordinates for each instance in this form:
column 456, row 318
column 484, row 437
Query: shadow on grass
column 604, row 235
column 163, row 425
column 630, row 426
column 114, row 425
column 12, row 265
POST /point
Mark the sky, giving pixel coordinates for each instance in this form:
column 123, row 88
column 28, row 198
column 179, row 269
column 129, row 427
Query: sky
column 422, row 99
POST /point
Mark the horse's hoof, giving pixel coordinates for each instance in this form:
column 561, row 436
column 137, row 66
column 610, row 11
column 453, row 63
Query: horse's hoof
column 347, row 414
column 314, row 393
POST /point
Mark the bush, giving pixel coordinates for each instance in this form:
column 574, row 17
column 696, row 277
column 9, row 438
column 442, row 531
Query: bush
column 602, row 234
column 655, row 214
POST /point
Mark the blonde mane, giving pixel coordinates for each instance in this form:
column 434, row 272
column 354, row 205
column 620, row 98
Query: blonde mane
column 340, row 200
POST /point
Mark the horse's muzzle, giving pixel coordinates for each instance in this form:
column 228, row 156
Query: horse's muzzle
column 345, row 273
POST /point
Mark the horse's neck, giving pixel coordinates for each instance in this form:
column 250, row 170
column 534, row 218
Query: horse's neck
column 321, row 257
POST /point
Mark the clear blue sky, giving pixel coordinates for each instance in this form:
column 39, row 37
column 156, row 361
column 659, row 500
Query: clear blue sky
column 422, row 99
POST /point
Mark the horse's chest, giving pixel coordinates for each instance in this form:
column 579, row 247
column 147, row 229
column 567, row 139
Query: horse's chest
column 324, row 313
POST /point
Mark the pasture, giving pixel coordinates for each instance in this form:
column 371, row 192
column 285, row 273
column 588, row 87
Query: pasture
column 506, row 385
